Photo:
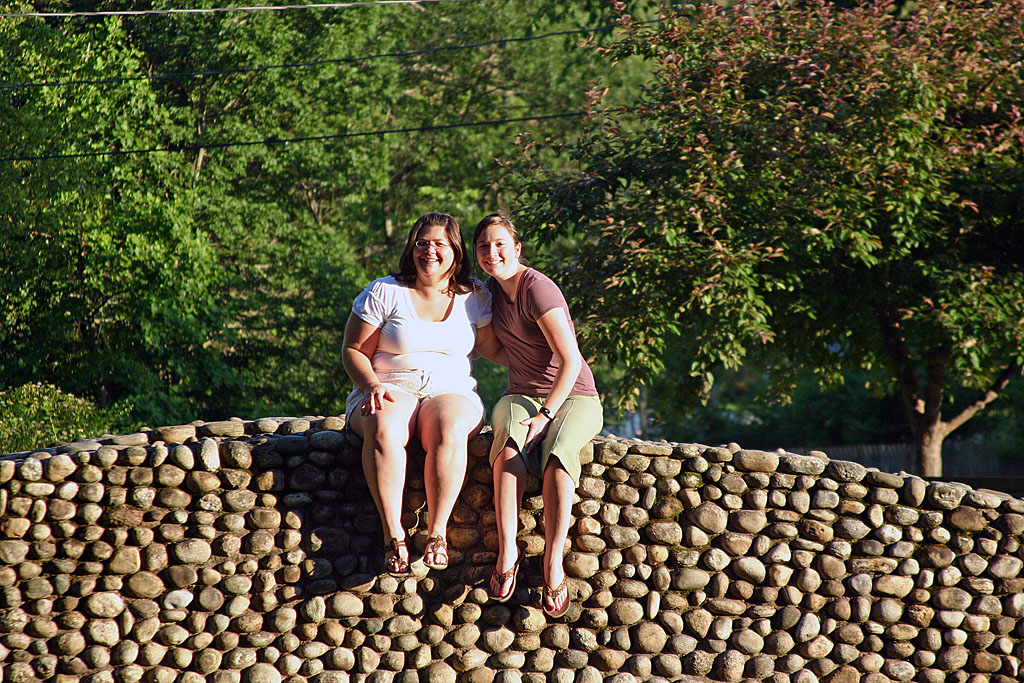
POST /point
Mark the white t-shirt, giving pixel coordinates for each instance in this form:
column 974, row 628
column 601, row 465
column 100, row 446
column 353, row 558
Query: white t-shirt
column 407, row 342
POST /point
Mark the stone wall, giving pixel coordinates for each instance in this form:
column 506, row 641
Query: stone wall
column 250, row 551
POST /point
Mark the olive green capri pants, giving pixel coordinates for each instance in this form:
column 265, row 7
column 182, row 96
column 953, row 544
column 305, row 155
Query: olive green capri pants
column 577, row 421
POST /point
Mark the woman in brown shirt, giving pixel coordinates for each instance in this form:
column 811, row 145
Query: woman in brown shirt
column 550, row 410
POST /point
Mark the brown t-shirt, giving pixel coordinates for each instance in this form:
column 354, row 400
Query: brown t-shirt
column 532, row 363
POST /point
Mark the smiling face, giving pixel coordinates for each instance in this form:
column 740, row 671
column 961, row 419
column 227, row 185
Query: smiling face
column 497, row 252
column 433, row 254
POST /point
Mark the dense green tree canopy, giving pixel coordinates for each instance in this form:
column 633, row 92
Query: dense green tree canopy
column 806, row 187
column 214, row 278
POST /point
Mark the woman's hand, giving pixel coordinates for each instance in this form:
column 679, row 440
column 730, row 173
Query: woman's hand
column 374, row 398
column 536, row 427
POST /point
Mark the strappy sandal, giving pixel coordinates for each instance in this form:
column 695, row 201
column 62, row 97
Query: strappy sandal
column 436, row 546
column 500, row 579
column 557, row 596
column 393, row 562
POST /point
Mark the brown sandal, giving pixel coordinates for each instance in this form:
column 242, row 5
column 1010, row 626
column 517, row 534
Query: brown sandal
column 393, row 562
column 501, row 578
column 557, row 596
column 436, row 546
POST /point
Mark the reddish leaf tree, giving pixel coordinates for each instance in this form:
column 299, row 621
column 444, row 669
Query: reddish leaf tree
column 807, row 188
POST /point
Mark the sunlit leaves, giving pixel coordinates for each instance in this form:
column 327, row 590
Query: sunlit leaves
column 793, row 175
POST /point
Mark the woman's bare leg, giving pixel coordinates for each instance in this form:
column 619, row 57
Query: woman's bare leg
column 445, row 423
column 385, row 437
column 558, row 494
column 509, row 478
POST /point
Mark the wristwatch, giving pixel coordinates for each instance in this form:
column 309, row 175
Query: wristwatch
column 547, row 413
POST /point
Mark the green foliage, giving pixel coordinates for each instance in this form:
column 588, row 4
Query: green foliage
column 37, row 415
column 105, row 283
column 216, row 281
column 803, row 187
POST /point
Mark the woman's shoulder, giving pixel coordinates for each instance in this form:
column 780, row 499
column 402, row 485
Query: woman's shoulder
column 383, row 289
column 388, row 283
column 536, row 283
column 532, row 276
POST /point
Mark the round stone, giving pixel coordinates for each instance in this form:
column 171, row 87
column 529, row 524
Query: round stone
column 1005, row 567
column 13, row 552
column 691, row 579
column 894, row 586
column 851, row 528
column 756, row 461
column 709, row 517
column 844, row 471
column 145, row 585
column 749, row 569
column 664, row 533
column 807, row 628
column 625, row 612
column 729, row 666
column 261, row 673
column 747, row 642
column 178, row 599
column 102, row 632
column 104, row 605
column 125, row 560
column 952, row 599
column 192, row 551
column 649, row 637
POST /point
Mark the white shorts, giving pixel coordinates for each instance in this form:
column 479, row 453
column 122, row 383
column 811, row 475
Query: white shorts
column 420, row 384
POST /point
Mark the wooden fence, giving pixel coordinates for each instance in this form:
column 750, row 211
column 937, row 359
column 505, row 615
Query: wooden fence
column 964, row 458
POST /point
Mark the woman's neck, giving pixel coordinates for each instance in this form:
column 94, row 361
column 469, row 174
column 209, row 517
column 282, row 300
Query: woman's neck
column 510, row 285
column 432, row 288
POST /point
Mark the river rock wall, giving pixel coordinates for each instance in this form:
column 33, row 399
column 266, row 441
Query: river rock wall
column 250, row 551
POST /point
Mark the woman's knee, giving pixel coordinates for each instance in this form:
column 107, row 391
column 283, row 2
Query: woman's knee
column 387, row 435
column 447, row 432
column 512, row 465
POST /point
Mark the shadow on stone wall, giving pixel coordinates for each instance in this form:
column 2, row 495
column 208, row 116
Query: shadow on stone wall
column 251, row 551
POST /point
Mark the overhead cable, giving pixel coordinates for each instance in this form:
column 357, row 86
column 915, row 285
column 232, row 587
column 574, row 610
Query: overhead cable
column 216, row 10
column 278, row 141
column 319, row 62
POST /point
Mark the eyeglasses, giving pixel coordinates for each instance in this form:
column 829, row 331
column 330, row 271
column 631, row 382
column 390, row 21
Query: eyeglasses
column 438, row 245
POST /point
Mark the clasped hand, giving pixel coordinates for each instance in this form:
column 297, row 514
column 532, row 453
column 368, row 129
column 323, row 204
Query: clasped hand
column 536, row 427
column 376, row 394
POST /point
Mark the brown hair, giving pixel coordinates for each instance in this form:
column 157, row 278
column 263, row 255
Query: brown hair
column 460, row 281
column 501, row 220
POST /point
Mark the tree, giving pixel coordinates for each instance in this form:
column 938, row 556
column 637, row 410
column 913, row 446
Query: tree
column 299, row 228
column 804, row 187
column 105, row 285
column 215, row 279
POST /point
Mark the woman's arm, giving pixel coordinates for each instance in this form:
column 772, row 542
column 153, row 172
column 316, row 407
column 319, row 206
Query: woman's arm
column 489, row 346
column 555, row 326
column 360, row 342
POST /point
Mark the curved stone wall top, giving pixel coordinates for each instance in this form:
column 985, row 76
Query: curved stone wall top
column 251, row 551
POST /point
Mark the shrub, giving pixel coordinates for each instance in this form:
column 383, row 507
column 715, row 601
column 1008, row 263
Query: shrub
column 36, row 415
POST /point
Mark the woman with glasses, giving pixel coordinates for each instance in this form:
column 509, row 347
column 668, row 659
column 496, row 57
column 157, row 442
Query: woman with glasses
column 407, row 348
column 549, row 411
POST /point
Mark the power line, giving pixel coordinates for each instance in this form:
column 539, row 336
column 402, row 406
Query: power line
column 215, row 10
column 278, row 141
column 320, row 62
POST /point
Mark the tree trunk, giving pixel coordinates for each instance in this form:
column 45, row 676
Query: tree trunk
column 928, row 448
